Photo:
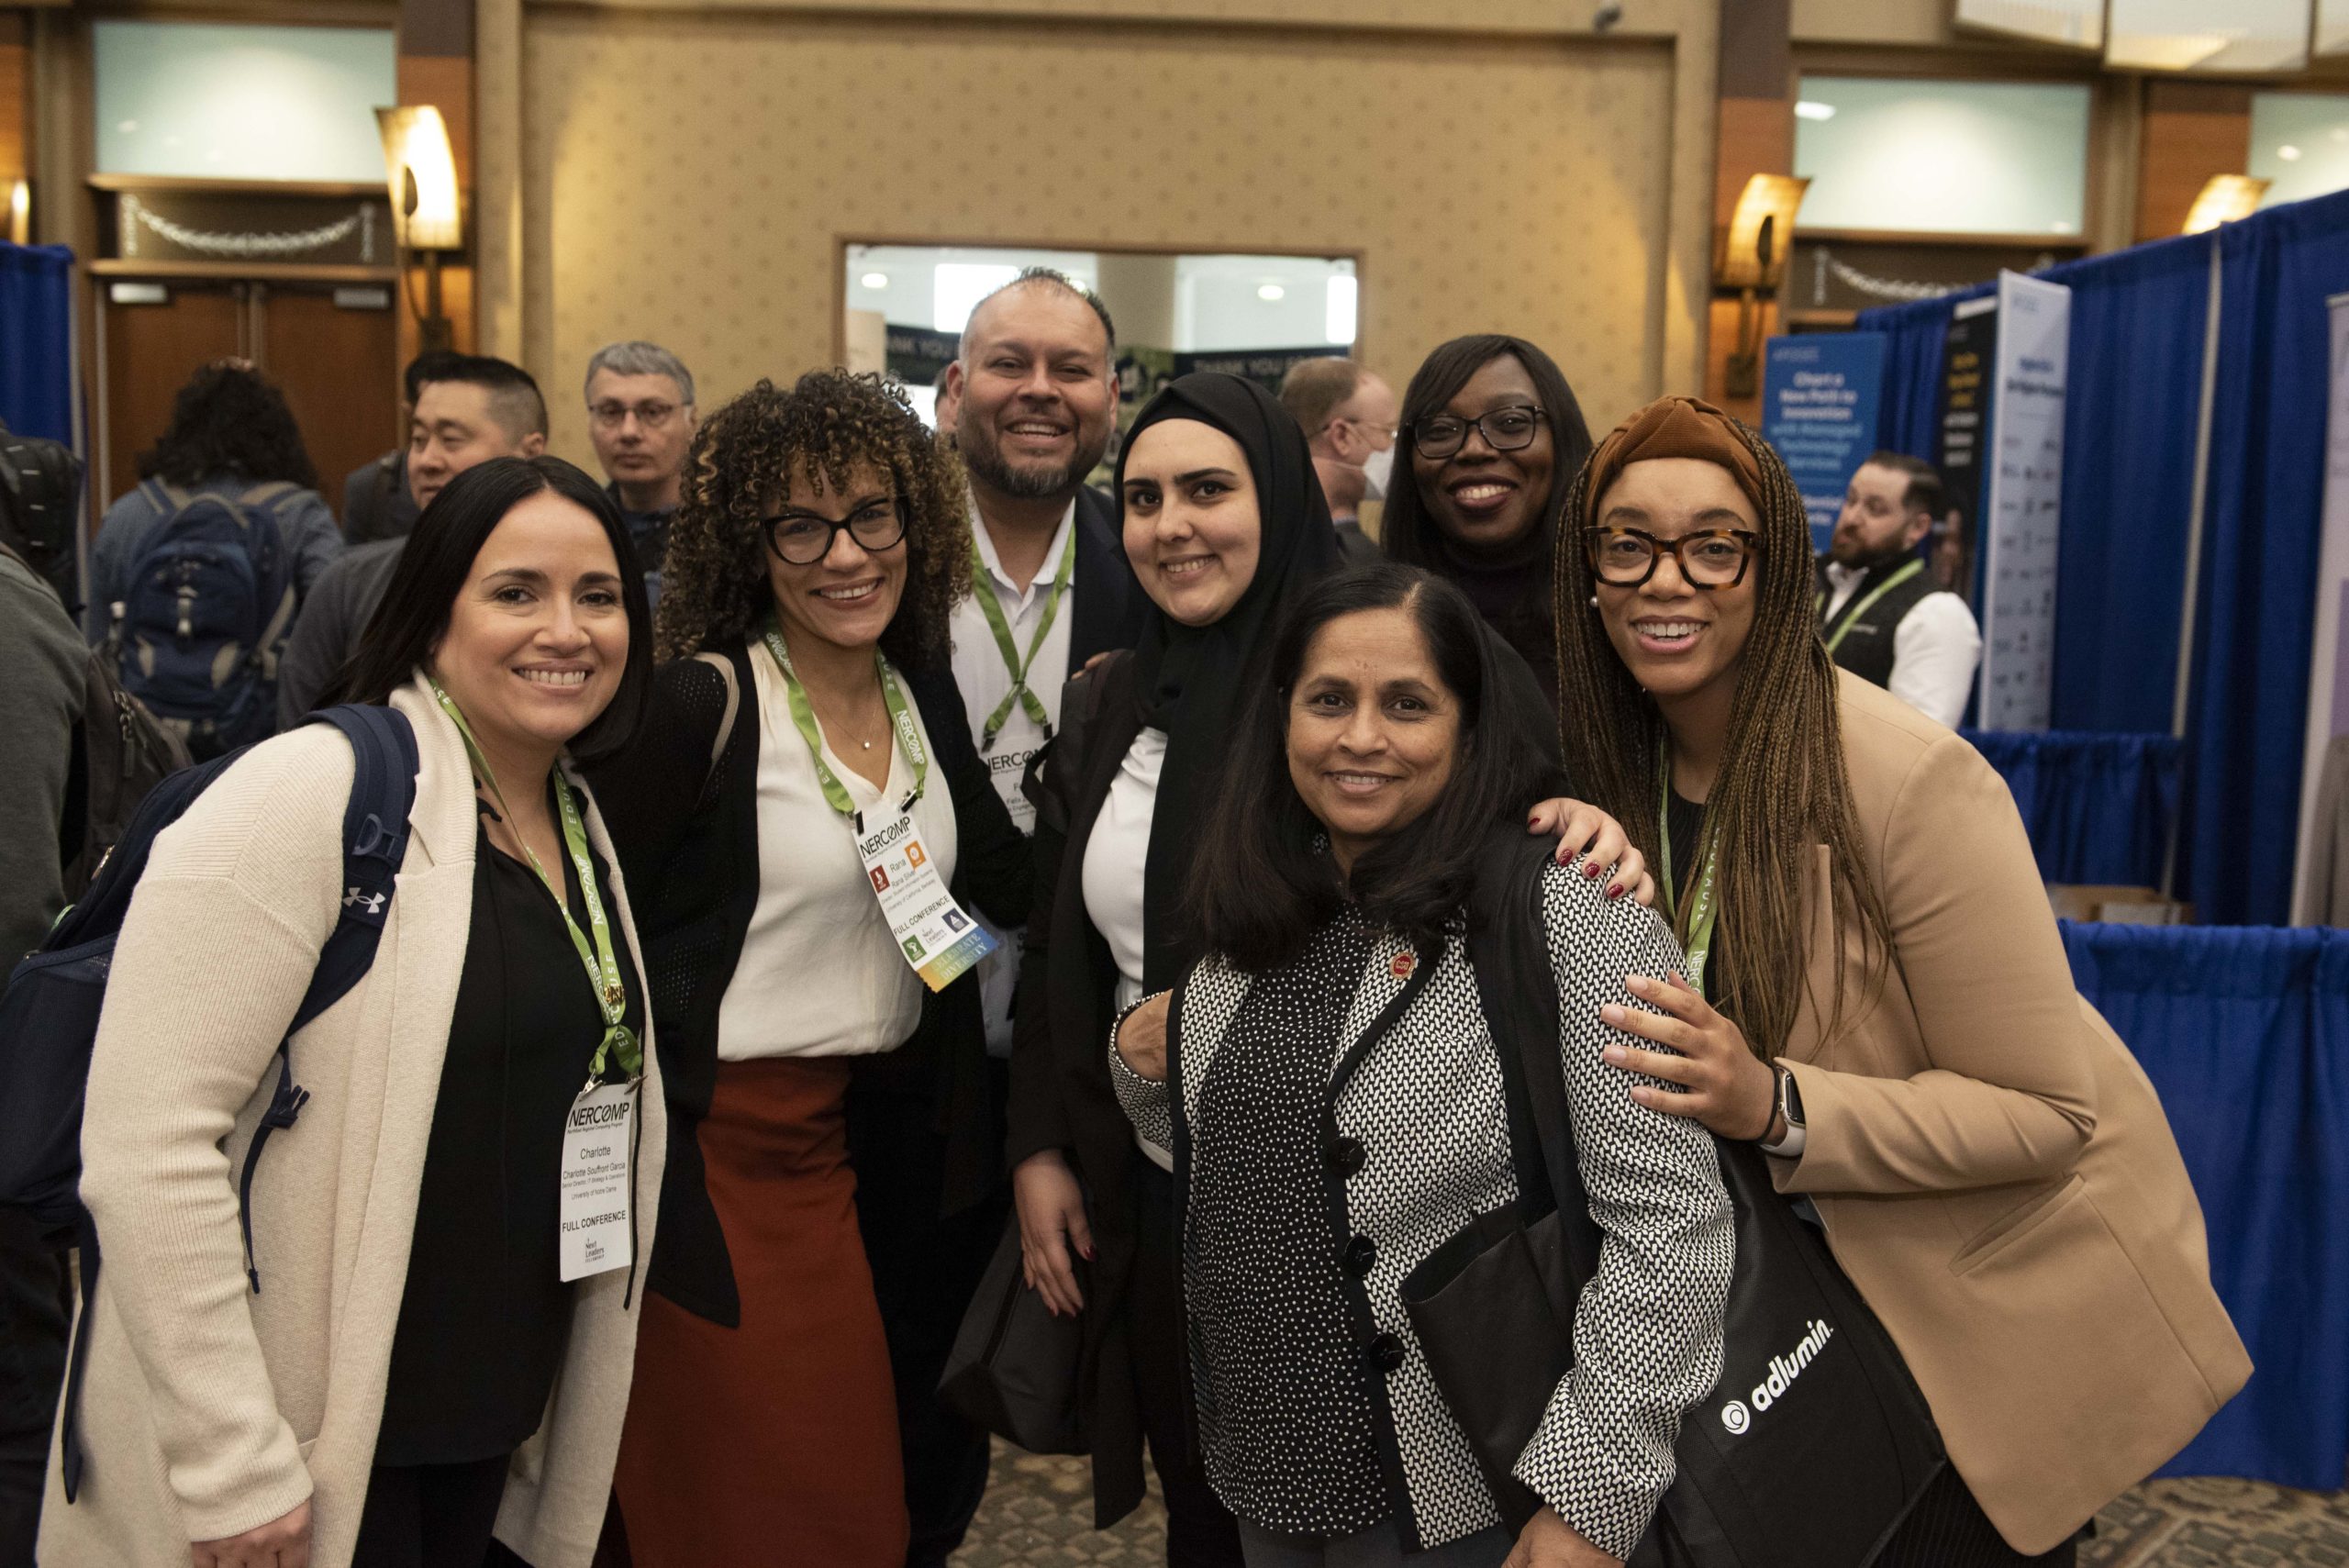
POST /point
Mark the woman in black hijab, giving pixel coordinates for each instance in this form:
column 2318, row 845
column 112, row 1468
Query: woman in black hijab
column 1226, row 528
column 1495, row 438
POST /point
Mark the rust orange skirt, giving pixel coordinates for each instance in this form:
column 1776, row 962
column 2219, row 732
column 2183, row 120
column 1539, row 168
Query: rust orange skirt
column 776, row 1441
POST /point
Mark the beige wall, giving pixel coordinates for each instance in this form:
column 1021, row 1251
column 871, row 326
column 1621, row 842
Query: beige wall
column 1875, row 22
column 688, row 175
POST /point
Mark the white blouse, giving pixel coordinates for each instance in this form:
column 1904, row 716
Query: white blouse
column 1116, row 856
column 819, row 975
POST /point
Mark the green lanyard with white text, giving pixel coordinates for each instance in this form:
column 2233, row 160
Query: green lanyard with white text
column 1844, row 624
column 802, row 719
column 982, row 589
column 1704, row 912
column 602, row 962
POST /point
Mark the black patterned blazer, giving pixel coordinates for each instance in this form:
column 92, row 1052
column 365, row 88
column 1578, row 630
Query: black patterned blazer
column 1417, row 1084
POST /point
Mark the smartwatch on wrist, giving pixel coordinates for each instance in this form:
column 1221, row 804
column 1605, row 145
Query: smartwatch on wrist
column 1789, row 1100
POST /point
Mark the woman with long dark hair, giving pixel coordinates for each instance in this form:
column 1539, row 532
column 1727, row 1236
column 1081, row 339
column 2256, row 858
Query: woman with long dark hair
column 1876, row 992
column 429, row 1364
column 809, row 816
column 1344, row 1107
column 1225, row 525
column 1494, row 437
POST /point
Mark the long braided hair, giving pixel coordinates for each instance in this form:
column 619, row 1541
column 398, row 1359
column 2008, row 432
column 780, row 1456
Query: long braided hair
column 1781, row 789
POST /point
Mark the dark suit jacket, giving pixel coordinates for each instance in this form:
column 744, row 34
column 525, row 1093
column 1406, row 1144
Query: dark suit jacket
column 1110, row 609
column 687, row 837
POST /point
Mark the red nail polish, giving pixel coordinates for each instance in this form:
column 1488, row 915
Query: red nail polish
column 1616, row 891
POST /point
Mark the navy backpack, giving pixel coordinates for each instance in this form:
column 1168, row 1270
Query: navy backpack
column 210, row 600
column 48, row 1015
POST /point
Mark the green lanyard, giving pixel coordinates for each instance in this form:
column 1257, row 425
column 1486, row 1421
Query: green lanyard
column 1835, row 639
column 1704, row 913
column 602, row 965
column 982, row 589
column 803, row 717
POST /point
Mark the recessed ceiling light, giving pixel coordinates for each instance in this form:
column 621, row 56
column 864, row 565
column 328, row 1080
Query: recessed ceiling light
column 1268, row 292
column 875, row 280
column 2289, row 153
column 1807, row 109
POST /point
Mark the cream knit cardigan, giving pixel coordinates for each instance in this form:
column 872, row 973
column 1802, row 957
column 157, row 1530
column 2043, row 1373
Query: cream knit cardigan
column 208, row 1409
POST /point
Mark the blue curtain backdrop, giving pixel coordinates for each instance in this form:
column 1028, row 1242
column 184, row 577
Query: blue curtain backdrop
column 36, row 341
column 2098, row 807
column 2245, row 1035
column 2138, row 324
column 2257, row 620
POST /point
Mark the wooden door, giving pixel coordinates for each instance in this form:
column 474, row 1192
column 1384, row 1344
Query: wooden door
column 335, row 354
column 152, row 338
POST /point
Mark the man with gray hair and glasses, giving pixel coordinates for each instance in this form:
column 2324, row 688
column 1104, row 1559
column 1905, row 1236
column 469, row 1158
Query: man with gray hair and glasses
column 640, row 417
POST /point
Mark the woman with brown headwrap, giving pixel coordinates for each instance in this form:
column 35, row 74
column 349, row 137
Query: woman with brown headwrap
column 1878, row 995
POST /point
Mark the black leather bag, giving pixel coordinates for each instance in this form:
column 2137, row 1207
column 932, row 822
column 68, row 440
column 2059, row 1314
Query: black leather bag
column 1816, row 1442
column 1013, row 1369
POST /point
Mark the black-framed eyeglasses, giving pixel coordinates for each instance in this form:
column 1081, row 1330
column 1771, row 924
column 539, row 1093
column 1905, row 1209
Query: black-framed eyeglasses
column 1504, row 429
column 1707, row 558
column 802, row 538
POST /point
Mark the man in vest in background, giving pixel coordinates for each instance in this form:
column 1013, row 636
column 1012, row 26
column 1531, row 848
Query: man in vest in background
column 1882, row 615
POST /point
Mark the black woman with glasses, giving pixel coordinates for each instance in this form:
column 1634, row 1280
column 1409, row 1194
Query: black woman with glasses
column 1495, row 438
column 813, row 830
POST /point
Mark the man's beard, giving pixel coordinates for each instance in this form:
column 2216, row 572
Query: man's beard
column 1867, row 560
column 983, row 455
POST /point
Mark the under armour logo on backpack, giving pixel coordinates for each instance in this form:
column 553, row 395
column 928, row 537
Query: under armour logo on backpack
column 363, row 901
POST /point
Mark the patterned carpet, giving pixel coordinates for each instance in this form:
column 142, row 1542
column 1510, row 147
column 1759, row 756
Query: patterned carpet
column 1037, row 1508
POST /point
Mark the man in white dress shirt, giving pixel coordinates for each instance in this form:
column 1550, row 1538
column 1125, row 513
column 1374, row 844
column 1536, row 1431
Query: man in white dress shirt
column 1032, row 396
column 1883, row 616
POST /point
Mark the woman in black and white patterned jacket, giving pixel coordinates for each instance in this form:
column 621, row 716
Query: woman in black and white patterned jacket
column 1341, row 1114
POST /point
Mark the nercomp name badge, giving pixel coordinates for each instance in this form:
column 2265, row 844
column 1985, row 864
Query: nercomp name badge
column 598, row 1145
column 938, row 939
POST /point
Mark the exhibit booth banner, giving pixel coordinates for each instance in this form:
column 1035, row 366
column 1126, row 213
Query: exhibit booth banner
column 36, row 332
column 2023, row 472
column 1820, row 393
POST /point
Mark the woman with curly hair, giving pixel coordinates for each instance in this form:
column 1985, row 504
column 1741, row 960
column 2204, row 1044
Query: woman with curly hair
column 804, row 764
column 180, row 602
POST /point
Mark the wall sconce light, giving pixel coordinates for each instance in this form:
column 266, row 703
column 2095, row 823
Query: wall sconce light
column 1753, row 259
column 2226, row 198
column 424, row 212
column 20, row 212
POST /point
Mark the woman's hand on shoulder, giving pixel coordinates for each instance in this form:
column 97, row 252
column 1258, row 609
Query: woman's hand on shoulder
column 282, row 1543
column 1583, row 829
column 1725, row 1085
column 1548, row 1541
column 1141, row 1037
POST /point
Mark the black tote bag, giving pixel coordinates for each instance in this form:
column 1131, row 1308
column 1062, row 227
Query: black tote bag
column 1013, row 1369
column 1815, row 1444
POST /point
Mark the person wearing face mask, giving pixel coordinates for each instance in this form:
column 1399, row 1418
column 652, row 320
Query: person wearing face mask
column 429, row 1363
column 1876, row 993
column 813, row 828
column 1349, row 415
column 1884, row 616
column 1376, row 758
column 1225, row 524
column 1495, row 436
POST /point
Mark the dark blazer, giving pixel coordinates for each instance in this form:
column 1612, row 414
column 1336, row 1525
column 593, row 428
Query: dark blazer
column 1110, row 610
column 687, row 836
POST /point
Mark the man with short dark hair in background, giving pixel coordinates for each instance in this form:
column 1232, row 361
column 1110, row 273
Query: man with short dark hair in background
column 376, row 502
column 43, row 662
column 478, row 409
column 641, row 416
column 1348, row 415
column 1883, row 616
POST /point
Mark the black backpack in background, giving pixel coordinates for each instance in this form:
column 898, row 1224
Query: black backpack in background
column 1816, row 1442
column 40, row 491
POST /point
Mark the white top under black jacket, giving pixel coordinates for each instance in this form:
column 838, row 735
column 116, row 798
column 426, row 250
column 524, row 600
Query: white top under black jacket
column 1417, row 1141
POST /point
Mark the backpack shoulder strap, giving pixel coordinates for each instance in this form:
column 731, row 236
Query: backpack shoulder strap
column 375, row 838
column 725, row 668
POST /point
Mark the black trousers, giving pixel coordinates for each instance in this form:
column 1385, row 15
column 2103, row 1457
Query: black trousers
column 926, row 1267
column 432, row 1516
column 1201, row 1531
column 35, row 1310
column 1948, row 1530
